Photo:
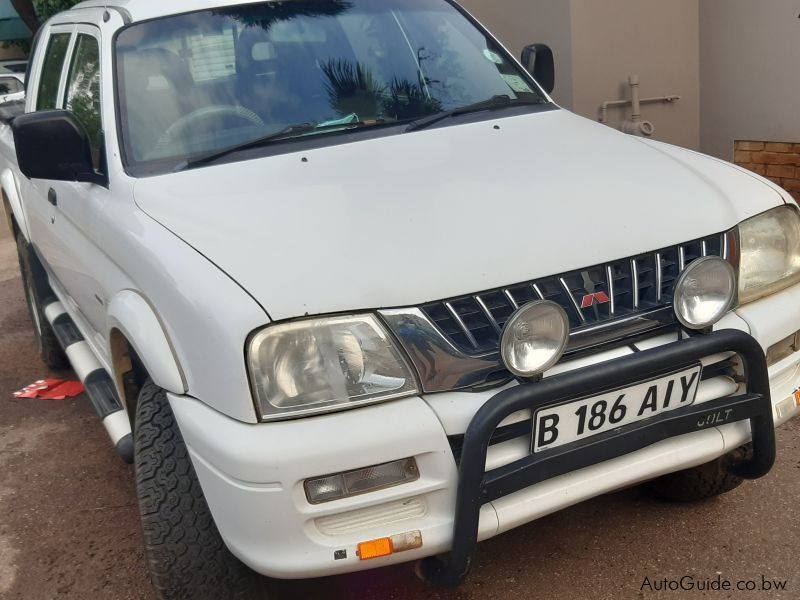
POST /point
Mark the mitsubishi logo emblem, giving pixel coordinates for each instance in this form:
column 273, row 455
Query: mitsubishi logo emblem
column 590, row 300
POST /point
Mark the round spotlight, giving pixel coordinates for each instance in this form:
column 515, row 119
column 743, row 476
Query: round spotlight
column 534, row 338
column 705, row 292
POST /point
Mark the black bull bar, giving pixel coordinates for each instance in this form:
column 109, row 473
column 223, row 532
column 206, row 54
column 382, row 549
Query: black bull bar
column 476, row 486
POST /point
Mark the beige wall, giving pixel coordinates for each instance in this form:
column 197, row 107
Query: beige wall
column 598, row 44
column 655, row 39
column 518, row 23
column 750, row 67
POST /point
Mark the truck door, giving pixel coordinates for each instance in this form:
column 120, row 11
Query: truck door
column 72, row 255
column 49, row 65
column 79, row 202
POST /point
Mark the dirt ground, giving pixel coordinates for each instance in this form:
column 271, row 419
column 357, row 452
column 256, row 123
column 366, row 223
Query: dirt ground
column 69, row 525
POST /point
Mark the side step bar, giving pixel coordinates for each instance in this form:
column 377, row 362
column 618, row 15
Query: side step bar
column 96, row 380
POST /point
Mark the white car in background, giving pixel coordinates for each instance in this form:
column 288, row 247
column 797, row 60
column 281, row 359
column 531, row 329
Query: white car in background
column 12, row 86
column 13, row 65
column 351, row 290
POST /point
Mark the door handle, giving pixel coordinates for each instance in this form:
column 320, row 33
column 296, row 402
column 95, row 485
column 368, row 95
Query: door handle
column 52, row 197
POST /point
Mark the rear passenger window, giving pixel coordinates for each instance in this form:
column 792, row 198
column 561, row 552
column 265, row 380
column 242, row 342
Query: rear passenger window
column 51, row 71
column 83, row 91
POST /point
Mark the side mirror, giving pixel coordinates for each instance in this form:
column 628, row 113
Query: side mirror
column 52, row 144
column 538, row 60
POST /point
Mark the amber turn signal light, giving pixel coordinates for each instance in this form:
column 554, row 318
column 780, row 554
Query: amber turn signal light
column 374, row 549
column 411, row 540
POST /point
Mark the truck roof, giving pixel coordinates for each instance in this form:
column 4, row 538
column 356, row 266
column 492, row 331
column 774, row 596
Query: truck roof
column 140, row 10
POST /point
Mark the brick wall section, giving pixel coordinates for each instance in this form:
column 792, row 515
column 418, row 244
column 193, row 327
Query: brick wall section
column 778, row 161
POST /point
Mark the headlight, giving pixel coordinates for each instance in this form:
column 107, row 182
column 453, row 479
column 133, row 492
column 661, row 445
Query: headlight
column 770, row 253
column 705, row 292
column 534, row 338
column 326, row 364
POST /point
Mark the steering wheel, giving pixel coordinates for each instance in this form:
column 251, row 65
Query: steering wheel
column 180, row 127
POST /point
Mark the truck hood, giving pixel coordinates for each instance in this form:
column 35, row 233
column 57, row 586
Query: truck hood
column 406, row 219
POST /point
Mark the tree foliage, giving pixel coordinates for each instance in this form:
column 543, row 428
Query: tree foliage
column 35, row 12
column 260, row 16
column 47, row 8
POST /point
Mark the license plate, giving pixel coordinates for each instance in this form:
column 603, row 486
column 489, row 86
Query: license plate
column 570, row 422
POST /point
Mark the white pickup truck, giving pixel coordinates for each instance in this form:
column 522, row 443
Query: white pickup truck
column 350, row 290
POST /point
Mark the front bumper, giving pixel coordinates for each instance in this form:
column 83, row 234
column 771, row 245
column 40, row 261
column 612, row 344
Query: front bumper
column 477, row 487
column 252, row 475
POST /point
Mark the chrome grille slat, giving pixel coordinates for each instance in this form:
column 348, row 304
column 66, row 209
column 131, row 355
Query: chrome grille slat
column 488, row 313
column 610, row 280
column 473, row 323
column 575, row 304
column 659, row 276
column 511, row 299
column 461, row 324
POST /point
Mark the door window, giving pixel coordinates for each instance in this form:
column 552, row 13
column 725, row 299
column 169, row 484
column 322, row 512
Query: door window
column 83, row 91
column 51, row 71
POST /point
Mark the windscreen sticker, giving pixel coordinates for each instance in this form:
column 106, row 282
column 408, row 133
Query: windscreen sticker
column 493, row 56
column 517, row 83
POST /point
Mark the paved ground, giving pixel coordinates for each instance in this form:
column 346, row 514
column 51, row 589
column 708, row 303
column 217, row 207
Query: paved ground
column 68, row 523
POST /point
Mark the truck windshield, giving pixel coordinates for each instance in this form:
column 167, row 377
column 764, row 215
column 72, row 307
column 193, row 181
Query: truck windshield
column 194, row 83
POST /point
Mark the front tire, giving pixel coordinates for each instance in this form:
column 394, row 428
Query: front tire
column 32, row 273
column 185, row 553
column 700, row 483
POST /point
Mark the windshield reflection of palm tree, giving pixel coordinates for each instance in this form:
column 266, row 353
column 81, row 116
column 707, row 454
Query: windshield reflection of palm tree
column 406, row 100
column 353, row 90
column 424, row 80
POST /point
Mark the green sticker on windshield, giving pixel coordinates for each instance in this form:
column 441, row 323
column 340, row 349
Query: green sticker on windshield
column 517, row 83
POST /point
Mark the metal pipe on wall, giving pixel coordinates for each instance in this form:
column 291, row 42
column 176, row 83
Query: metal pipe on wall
column 635, row 125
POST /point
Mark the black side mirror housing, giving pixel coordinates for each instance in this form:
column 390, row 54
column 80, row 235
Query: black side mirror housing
column 538, row 60
column 52, row 144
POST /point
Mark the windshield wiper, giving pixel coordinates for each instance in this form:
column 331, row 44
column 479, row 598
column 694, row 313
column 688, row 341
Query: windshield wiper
column 286, row 132
column 492, row 103
column 292, row 131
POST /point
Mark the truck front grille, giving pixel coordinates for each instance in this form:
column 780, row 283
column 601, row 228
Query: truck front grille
column 592, row 297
